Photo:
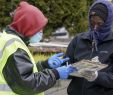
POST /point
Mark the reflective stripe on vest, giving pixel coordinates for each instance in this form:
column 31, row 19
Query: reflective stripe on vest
column 8, row 45
column 5, row 87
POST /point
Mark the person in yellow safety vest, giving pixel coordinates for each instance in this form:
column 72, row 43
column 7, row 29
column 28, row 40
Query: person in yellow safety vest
column 19, row 75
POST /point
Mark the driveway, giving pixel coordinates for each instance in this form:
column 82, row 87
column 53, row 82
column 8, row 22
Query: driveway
column 59, row 89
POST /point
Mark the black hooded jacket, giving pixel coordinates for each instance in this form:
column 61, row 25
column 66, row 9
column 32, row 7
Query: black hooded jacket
column 81, row 48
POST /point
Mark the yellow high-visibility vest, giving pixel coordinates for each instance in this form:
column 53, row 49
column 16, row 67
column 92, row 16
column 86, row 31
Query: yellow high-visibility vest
column 8, row 45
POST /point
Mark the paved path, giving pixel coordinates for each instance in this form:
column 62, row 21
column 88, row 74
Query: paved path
column 59, row 89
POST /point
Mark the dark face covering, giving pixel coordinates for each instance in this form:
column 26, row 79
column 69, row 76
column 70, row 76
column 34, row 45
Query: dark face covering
column 97, row 18
column 96, row 24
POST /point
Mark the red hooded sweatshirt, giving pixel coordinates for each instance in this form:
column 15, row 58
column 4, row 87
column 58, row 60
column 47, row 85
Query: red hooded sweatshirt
column 28, row 19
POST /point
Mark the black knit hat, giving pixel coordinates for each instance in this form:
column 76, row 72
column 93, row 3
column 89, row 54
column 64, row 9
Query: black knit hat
column 100, row 10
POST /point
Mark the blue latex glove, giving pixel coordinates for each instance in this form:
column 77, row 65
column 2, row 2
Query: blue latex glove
column 64, row 71
column 56, row 60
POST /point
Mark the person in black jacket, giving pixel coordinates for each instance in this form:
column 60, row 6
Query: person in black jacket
column 95, row 45
column 18, row 68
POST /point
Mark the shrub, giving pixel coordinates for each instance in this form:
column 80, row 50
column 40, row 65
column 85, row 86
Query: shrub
column 69, row 13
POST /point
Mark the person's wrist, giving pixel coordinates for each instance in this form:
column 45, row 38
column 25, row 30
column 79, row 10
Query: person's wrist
column 56, row 73
column 45, row 64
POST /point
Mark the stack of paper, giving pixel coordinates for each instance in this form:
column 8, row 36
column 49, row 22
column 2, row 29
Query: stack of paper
column 87, row 65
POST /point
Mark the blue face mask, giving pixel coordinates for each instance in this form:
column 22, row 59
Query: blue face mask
column 36, row 38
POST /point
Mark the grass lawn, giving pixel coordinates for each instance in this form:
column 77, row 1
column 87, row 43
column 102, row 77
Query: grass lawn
column 42, row 57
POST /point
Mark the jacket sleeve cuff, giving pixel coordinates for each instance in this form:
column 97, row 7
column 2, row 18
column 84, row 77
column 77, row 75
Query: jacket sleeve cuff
column 56, row 73
column 44, row 64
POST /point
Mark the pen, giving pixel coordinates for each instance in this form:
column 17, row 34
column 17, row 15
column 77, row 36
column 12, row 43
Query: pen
column 67, row 63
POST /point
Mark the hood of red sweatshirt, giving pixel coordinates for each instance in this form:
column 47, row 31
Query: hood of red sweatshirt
column 28, row 19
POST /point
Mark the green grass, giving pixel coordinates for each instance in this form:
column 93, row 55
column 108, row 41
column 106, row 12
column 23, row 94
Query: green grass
column 42, row 57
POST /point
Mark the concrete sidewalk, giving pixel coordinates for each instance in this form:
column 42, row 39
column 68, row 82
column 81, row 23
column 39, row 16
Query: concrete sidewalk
column 59, row 89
